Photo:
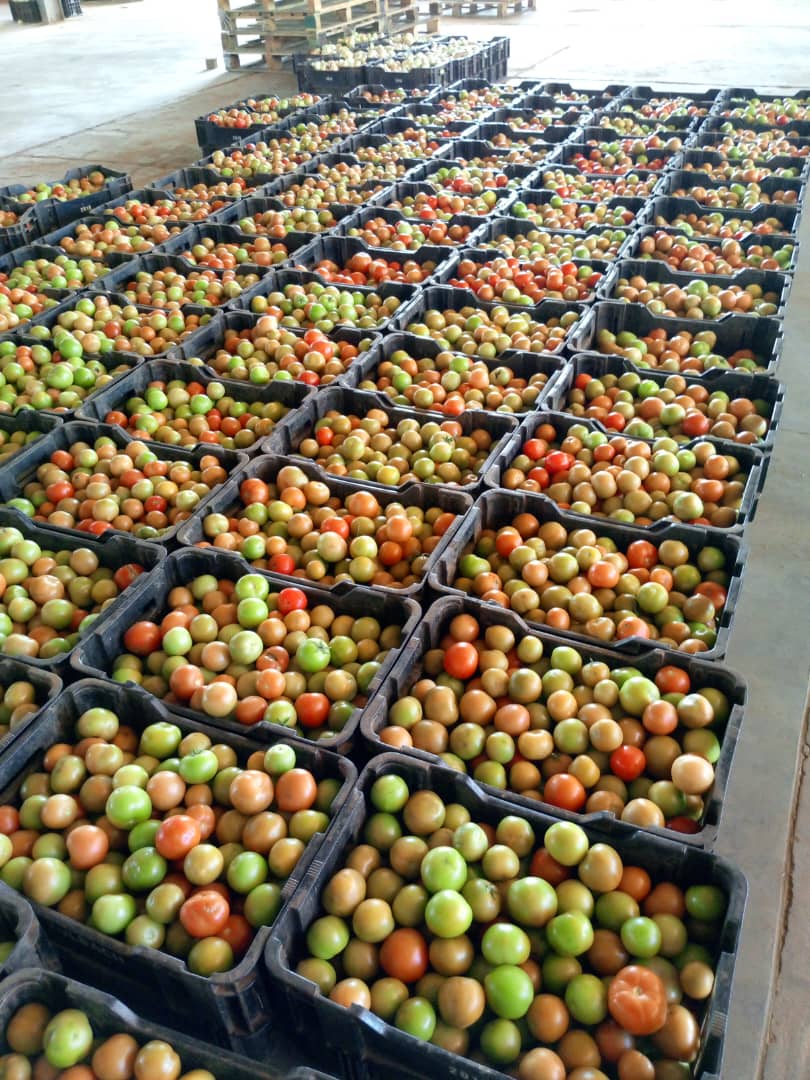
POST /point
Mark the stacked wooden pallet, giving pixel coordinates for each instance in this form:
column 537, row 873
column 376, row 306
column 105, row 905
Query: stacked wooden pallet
column 269, row 32
column 470, row 9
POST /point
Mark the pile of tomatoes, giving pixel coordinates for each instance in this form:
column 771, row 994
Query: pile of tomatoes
column 171, row 288
column 129, row 831
column 182, row 413
column 497, row 938
column 553, row 725
column 573, row 579
column 235, row 650
column 295, row 525
column 453, row 383
column 442, row 207
column 410, row 235
column 643, row 409
column 363, row 268
column 226, row 255
column 517, row 281
column 163, row 211
column 683, row 253
column 586, row 183
column 684, row 351
column 589, row 472
column 266, row 351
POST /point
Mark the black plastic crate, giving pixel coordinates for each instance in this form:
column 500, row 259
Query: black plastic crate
column 211, row 134
column 756, row 387
column 41, row 250
column 486, row 237
column 97, row 651
column 109, row 258
column 51, row 214
column 374, row 139
column 496, row 508
column 749, row 240
column 763, row 336
column 348, row 158
column 370, row 1049
column 646, row 93
column 349, row 401
column 109, row 1016
column 248, row 208
column 126, row 271
column 564, row 91
column 709, row 138
column 267, row 467
column 277, row 280
column 394, row 217
column 183, row 179
column 669, row 207
column 410, row 189
column 22, row 469
column 227, row 1007
column 717, row 121
column 113, row 551
column 49, row 320
column 693, row 159
column 222, row 233
column 703, row 673
column 752, row 461
column 524, row 365
column 527, row 109
column 315, row 80
column 445, row 297
column 147, row 195
column 649, row 179
column 202, row 345
column 340, row 249
column 654, row 270
column 436, row 74
column 571, row 149
column 519, row 176
column 31, row 950
column 429, row 118
column 667, row 127
column 29, row 421
column 290, row 393
column 485, row 255
column 683, row 179
column 541, row 196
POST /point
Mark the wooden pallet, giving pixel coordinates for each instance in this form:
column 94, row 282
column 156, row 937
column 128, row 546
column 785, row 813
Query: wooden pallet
column 501, row 9
column 330, row 19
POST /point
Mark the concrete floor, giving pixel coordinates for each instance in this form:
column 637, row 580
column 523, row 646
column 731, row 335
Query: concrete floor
column 122, row 85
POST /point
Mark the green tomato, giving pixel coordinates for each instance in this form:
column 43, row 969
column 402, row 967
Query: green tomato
column 127, row 806
column 113, row 914
column 417, row 1017
column 570, row 934
column 389, row 794
column 509, row 991
column 504, row 943
column 566, row 842
column 586, row 998
column 447, row 914
column 443, row 868
column 641, row 936
column 67, row 1039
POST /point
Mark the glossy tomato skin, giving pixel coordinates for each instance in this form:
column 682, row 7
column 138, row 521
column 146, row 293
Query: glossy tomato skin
column 637, row 1000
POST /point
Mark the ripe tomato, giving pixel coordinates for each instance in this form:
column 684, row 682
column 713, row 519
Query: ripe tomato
column 142, row 638
column 565, row 791
column 125, row 575
column 291, row 600
column 637, row 1000
column 177, row 835
column 627, row 762
column 404, row 955
column 205, row 913
column 461, row 660
column 641, row 553
column 312, row 709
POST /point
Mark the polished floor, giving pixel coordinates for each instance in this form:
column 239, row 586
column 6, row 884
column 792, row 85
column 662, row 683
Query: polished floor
column 122, row 85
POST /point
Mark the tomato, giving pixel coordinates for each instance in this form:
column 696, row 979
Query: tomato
column 311, row 709
column 125, row 575
column 565, row 791
column 628, row 762
column 205, row 913
column 291, row 600
column 641, row 553
column 672, row 680
column 461, row 660
column 637, row 1000
column 177, row 835
column 404, row 955
column 142, row 638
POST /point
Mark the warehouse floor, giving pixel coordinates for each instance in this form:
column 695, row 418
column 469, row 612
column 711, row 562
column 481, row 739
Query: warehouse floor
column 122, row 85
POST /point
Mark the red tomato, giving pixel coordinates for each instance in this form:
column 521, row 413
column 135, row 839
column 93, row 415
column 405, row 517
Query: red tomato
column 637, row 1000
column 291, row 600
column 461, row 660
column 404, row 955
column 142, row 638
column 565, row 791
column 312, row 709
column 673, row 680
column 177, row 835
column 125, row 575
column 627, row 762
column 641, row 553
column 205, row 913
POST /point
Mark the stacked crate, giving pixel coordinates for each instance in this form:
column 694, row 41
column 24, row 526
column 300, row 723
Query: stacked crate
column 268, row 32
